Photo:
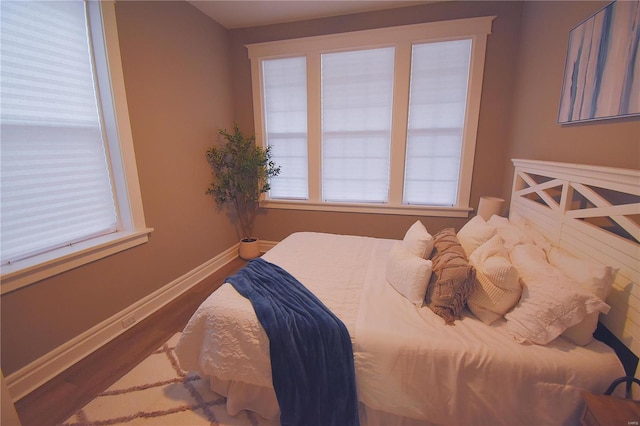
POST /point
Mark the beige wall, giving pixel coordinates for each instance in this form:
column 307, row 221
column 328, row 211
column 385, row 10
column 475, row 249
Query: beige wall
column 492, row 141
column 534, row 133
column 178, row 90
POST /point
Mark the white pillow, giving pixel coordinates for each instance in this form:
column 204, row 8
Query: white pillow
column 492, row 247
column 497, row 288
column 408, row 274
column 474, row 233
column 418, row 241
column 511, row 234
column 530, row 230
column 582, row 333
column 550, row 302
column 593, row 277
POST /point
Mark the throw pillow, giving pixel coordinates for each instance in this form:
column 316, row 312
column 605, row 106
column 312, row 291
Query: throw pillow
column 474, row 233
column 511, row 234
column 497, row 287
column 593, row 277
column 408, row 274
column 550, row 302
column 418, row 241
column 452, row 279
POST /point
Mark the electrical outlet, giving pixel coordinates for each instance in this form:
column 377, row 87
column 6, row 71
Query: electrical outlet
column 128, row 322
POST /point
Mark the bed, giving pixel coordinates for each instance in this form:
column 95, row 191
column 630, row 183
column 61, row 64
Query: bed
column 487, row 364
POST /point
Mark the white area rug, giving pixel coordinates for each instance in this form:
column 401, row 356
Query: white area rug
column 158, row 392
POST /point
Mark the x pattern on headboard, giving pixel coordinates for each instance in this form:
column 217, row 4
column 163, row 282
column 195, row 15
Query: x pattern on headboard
column 592, row 212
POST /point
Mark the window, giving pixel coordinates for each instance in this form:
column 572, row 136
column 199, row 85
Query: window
column 68, row 182
column 437, row 106
column 357, row 98
column 383, row 120
column 285, row 108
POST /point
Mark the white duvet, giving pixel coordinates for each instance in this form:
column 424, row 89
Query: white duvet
column 408, row 362
column 224, row 338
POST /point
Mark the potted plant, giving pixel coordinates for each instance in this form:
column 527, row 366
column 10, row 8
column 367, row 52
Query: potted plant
column 241, row 172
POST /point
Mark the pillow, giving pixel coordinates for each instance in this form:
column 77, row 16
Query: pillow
column 550, row 302
column 593, row 277
column 452, row 279
column 511, row 234
column 474, row 233
column 525, row 225
column 418, row 241
column 497, row 286
column 408, row 274
column 493, row 247
column 582, row 333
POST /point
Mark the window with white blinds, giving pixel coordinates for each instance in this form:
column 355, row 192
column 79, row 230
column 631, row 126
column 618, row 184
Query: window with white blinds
column 56, row 187
column 437, row 106
column 285, row 108
column 357, row 100
column 391, row 116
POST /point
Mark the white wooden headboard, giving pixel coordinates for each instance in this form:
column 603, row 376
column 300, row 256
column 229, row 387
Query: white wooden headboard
column 592, row 212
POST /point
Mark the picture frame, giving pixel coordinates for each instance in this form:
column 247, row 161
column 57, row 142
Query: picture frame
column 602, row 68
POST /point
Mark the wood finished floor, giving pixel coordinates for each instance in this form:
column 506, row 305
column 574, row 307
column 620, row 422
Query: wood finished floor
column 56, row 400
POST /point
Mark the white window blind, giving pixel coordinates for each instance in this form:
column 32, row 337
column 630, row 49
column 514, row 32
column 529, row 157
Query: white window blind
column 357, row 98
column 437, row 105
column 285, row 108
column 55, row 183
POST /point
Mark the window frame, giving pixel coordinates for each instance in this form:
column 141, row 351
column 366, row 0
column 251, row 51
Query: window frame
column 132, row 230
column 402, row 38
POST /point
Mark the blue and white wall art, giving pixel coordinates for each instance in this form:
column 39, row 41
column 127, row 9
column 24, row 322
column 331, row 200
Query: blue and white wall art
column 602, row 72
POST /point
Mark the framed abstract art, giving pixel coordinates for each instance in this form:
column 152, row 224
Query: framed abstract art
column 602, row 70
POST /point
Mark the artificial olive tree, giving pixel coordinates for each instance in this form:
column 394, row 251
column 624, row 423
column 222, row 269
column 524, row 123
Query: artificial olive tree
column 241, row 173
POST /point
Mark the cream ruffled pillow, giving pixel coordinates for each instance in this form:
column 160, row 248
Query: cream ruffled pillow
column 497, row 288
column 550, row 303
column 593, row 277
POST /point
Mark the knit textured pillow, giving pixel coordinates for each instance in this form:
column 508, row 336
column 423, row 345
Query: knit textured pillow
column 453, row 278
column 497, row 288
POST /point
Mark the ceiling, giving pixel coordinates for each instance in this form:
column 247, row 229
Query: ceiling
column 249, row 13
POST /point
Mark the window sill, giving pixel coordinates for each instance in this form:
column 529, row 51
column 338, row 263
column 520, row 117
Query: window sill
column 405, row 210
column 28, row 271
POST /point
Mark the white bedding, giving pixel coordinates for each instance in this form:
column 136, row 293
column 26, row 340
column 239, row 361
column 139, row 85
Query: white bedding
column 408, row 362
column 224, row 338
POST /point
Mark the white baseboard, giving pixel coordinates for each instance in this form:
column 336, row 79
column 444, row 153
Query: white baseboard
column 265, row 246
column 38, row 372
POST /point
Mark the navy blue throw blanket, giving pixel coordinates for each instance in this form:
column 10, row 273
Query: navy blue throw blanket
column 310, row 348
